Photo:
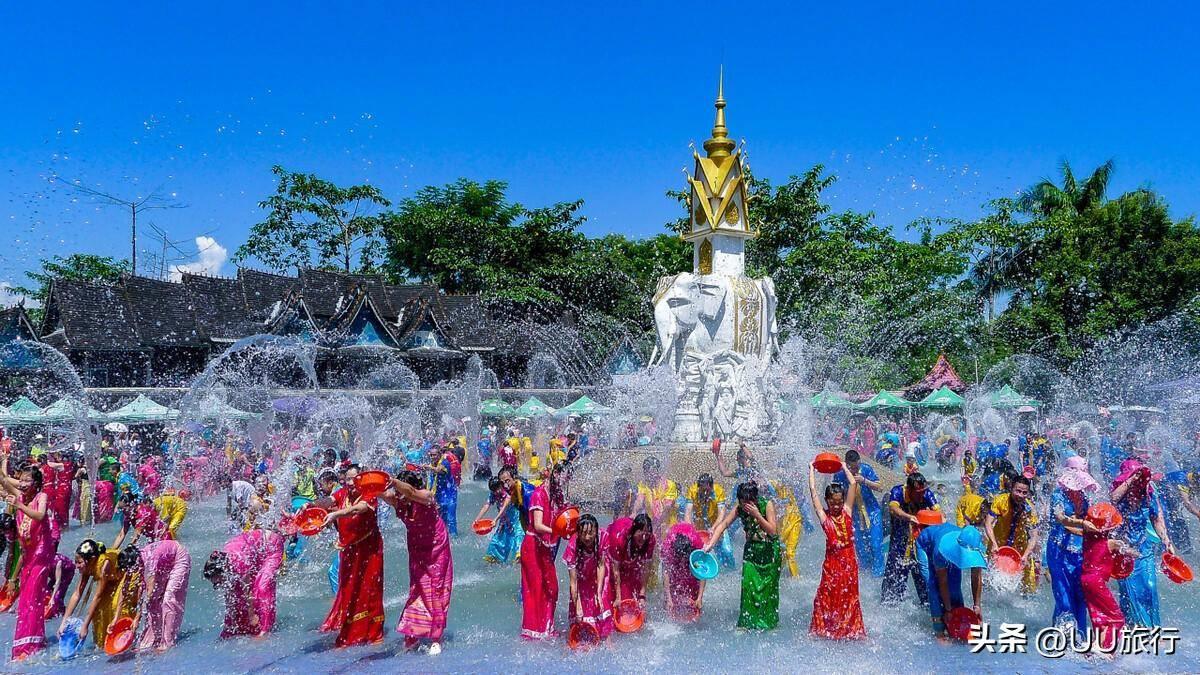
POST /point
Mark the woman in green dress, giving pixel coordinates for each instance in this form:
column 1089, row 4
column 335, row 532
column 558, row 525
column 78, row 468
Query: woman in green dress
column 760, row 559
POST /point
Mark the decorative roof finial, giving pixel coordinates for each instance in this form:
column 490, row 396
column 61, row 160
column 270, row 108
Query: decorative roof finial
column 720, row 146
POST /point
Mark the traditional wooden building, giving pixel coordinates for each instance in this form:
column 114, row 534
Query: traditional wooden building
column 148, row 332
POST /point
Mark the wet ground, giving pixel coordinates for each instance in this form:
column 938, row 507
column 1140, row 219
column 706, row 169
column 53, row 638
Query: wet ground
column 485, row 618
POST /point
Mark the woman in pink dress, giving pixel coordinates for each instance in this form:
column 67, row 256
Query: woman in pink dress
column 539, row 578
column 1098, row 562
column 591, row 601
column 36, row 533
column 148, row 476
column 163, row 568
column 630, row 551
column 685, row 593
column 62, row 571
column 430, row 567
column 246, row 567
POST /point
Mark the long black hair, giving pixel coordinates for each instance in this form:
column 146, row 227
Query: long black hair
column 588, row 520
column 640, row 522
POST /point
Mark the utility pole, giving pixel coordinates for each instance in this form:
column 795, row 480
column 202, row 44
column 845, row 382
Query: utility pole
column 154, row 200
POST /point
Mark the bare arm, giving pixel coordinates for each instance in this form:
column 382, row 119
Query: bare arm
column 812, row 493
column 1160, row 528
column 768, row 523
column 412, row 494
column 537, row 522
column 504, row 507
column 36, row 514
column 101, row 585
column 989, row 529
column 852, row 493
column 977, row 590
column 639, row 503
column 721, row 467
column 573, row 575
column 723, row 524
column 73, row 601
column 1118, row 493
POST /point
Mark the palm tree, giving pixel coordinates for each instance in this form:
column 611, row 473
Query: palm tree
column 1046, row 198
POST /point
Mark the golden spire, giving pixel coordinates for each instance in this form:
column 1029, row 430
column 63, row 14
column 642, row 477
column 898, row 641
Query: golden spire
column 720, row 146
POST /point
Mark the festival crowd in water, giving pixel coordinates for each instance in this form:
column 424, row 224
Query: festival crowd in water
column 1042, row 508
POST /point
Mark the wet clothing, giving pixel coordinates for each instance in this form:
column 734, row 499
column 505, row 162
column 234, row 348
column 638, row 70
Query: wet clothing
column 430, row 573
column 594, row 600
column 1064, row 560
column 539, row 578
column 837, row 612
column 357, row 611
column 901, row 558
column 1014, row 526
column 868, row 521
column 761, row 560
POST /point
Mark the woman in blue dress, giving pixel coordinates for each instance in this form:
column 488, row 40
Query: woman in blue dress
column 1064, row 549
column 505, row 545
column 1144, row 530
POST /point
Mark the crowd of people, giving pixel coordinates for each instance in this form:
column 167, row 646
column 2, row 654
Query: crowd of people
column 1038, row 494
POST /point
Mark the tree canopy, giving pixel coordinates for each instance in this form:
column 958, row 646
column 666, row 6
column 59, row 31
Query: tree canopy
column 1052, row 272
column 312, row 222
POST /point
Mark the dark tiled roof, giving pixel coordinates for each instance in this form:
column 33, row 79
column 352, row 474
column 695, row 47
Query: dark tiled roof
column 15, row 324
column 262, row 290
column 464, row 319
column 323, row 291
column 91, row 316
column 142, row 313
column 163, row 312
column 220, row 307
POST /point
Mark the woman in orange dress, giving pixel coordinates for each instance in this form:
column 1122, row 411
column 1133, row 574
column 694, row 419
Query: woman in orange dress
column 837, row 612
column 357, row 612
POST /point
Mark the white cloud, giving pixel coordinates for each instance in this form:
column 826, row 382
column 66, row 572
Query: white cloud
column 210, row 259
column 9, row 297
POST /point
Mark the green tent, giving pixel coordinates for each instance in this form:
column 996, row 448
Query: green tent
column 494, row 407
column 584, row 406
column 1008, row 397
column 827, row 399
column 68, row 409
column 534, row 408
column 22, row 411
column 142, row 410
column 885, row 400
column 942, row 398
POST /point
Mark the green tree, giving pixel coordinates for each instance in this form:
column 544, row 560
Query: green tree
column 312, row 222
column 75, row 267
column 466, row 237
column 1108, row 269
column 1046, row 198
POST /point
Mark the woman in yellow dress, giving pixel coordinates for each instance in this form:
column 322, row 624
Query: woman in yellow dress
column 791, row 524
column 114, row 594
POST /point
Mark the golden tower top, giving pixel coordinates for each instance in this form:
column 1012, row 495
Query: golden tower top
column 720, row 145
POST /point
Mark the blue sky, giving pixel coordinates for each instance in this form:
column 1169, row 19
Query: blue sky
column 919, row 108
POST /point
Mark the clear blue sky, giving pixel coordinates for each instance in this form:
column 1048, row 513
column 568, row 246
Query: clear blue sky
column 919, row 108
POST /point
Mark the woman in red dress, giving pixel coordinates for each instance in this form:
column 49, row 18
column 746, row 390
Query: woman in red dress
column 357, row 612
column 539, row 578
column 837, row 613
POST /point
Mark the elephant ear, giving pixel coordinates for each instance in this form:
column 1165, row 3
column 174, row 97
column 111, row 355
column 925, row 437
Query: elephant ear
column 664, row 285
